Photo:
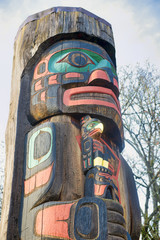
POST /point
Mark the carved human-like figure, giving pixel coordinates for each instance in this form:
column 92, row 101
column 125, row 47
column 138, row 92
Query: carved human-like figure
column 75, row 183
column 74, row 78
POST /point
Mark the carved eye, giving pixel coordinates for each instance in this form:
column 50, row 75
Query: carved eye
column 91, row 125
column 77, row 59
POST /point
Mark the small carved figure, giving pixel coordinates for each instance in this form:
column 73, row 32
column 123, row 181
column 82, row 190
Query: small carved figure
column 95, row 159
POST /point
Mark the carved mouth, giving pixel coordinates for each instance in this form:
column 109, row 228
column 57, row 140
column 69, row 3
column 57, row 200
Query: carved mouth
column 91, row 95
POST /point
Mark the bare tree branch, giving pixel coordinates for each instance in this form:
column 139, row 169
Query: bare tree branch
column 140, row 112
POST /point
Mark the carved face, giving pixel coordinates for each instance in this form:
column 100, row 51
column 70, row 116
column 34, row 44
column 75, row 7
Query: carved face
column 91, row 127
column 76, row 77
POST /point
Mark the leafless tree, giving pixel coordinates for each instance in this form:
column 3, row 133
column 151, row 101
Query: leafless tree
column 140, row 103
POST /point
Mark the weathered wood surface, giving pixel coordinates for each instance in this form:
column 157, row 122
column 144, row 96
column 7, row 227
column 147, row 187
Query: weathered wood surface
column 35, row 31
column 44, row 154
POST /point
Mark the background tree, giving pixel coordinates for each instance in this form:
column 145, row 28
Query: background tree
column 140, row 102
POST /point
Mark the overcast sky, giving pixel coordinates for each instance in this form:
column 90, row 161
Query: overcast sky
column 135, row 23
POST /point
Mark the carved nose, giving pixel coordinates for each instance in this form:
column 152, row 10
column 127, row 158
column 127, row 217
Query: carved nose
column 99, row 74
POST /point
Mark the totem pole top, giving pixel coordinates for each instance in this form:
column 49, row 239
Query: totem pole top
column 46, row 12
column 63, row 23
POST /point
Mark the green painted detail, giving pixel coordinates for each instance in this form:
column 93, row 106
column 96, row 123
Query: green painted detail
column 86, row 164
column 59, row 62
column 34, row 162
column 92, row 125
column 90, row 161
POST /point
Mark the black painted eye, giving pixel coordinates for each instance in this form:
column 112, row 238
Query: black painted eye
column 77, row 59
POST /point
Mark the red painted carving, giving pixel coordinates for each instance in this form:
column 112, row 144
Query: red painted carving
column 38, row 85
column 115, row 83
column 73, row 75
column 67, row 98
column 38, row 180
column 52, row 79
column 52, row 221
column 99, row 189
column 99, row 74
column 43, row 96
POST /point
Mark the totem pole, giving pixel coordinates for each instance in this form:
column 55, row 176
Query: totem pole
column 65, row 176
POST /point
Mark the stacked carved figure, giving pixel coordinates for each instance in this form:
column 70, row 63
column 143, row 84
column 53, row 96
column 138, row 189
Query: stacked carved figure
column 71, row 180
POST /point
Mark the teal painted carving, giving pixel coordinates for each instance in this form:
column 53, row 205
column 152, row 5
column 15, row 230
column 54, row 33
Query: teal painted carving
column 32, row 159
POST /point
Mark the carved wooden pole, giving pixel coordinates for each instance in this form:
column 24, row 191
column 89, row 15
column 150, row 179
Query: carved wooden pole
column 65, row 176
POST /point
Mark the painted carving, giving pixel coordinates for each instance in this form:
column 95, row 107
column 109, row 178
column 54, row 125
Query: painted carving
column 75, row 183
column 76, row 77
column 100, row 163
